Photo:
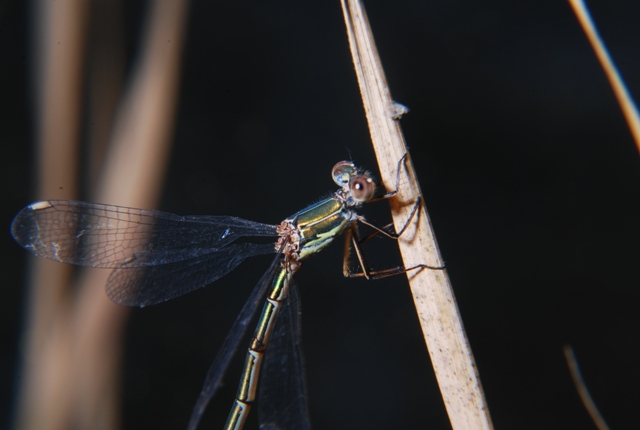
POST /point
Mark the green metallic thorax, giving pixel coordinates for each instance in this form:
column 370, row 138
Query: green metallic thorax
column 319, row 224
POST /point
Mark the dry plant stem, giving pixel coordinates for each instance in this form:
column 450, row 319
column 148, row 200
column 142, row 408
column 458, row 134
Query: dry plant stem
column 70, row 376
column 444, row 333
column 45, row 397
column 132, row 175
column 106, row 69
column 587, row 401
column 619, row 88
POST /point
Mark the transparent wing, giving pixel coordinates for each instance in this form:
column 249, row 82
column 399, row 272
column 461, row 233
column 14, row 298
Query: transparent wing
column 97, row 235
column 282, row 401
column 151, row 284
column 157, row 256
column 230, row 345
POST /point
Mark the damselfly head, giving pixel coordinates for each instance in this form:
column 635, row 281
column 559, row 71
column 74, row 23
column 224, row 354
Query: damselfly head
column 358, row 183
column 342, row 172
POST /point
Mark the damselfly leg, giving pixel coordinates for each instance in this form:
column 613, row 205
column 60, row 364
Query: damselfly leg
column 353, row 240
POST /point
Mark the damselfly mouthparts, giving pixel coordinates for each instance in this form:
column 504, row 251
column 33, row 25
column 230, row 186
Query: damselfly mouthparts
column 158, row 256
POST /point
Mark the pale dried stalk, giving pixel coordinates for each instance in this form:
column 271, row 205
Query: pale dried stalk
column 444, row 333
column 582, row 389
column 74, row 342
column 132, row 175
column 45, row 396
column 627, row 105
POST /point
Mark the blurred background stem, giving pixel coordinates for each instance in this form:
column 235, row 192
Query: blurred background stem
column 73, row 342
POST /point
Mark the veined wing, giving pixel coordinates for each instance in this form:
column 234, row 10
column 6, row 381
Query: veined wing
column 107, row 236
column 213, row 381
column 143, row 285
column 282, row 399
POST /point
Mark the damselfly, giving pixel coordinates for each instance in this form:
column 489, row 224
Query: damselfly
column 158, row 256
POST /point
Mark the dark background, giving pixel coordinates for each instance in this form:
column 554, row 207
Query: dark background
column 528, row 171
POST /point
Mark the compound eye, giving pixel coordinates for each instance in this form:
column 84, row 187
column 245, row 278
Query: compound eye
column 362, row 188
column 342, row 172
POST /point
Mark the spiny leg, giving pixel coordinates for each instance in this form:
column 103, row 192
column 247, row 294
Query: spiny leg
column 385, row 229
column 352, row 238
column 392, row 193
column 366, row 271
